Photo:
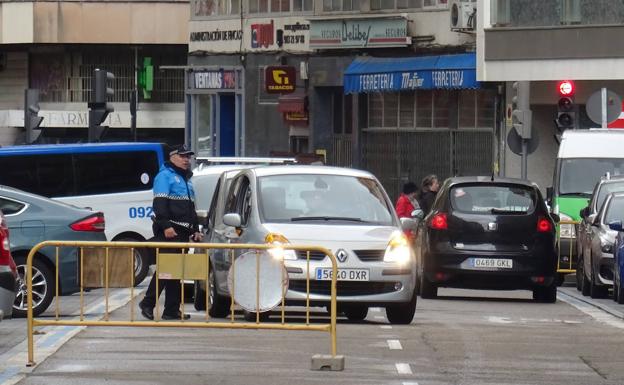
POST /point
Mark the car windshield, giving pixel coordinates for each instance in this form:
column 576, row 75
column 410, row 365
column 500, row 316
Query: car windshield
column 606, row 189
column 204, row 186
column 493, row 199
column 579, row 176
column 323, row 198
column 615, row 210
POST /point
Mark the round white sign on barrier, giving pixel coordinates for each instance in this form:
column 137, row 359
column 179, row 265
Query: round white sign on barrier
column 242, row 281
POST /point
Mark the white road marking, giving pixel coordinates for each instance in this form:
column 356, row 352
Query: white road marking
column 386, row 326
column 380, row 317
column 499, row 320
column 395, row 345
column 403, row 368
column 376, row 309
column 410, row 383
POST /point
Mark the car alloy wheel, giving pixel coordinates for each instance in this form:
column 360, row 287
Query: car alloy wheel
column 42, row 292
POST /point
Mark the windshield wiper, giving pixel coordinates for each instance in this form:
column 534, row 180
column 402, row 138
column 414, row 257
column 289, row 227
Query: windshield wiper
column 326, row 218
column 501, row 211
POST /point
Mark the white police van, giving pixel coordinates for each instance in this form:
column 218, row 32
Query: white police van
column 114, row 178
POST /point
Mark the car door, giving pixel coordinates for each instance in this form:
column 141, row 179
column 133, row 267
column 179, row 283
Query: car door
column 585, row 226
column 594, row 239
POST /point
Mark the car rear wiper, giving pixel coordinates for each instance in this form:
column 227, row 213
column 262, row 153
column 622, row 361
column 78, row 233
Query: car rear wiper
column 326, row 218
column 501, row 211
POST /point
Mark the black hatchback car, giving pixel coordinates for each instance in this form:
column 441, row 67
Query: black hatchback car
column 485, row 233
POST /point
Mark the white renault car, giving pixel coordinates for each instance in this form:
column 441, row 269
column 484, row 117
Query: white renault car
column 346, row 211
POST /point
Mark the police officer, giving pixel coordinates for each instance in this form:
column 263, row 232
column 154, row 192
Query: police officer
column 175, row 221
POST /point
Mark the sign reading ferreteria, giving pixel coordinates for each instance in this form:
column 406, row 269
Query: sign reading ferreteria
column 280, row 79
column 358, row 33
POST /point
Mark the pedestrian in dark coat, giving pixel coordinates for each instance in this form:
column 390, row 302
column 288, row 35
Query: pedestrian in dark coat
column 429, row 189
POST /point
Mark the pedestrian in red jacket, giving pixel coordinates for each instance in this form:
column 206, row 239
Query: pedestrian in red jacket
column 407, row 201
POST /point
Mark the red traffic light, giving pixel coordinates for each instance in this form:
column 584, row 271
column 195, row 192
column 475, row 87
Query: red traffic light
column 566, row 88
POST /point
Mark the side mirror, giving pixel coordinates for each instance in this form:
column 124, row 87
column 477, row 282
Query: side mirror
column 555, row 217
column 615, row 225
column 232, row 219
column 592, row 219
column 202, row 216
column 409, row 224
column 418, row 214
column 549, row 195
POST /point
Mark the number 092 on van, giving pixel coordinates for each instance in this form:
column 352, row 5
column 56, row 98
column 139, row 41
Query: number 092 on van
column 114, row 178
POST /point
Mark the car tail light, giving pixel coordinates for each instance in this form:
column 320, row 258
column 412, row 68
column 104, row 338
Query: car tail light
column 543, row 225
column 439, row 222
column 93, row 222
column 5, row 252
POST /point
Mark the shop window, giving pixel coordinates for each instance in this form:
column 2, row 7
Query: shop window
column 424, row 108
column 442, row 108
column 406, row 109
column 403, row 4
column 337, row 113
column 467, row 106
column 391, row 109
column 486, row 100
column 375, row 110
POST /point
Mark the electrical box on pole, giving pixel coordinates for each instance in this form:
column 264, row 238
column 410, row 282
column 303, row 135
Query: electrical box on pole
column 522, row 116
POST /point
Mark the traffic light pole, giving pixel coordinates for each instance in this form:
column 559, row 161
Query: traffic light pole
column 525, row 159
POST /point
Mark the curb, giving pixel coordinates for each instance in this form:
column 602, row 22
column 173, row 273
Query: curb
column 579, row 297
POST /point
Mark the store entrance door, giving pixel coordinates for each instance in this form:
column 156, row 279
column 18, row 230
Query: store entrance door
column 227, row 125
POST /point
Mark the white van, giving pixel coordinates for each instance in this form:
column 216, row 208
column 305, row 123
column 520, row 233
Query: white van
column 114, row 178
column 584, row 156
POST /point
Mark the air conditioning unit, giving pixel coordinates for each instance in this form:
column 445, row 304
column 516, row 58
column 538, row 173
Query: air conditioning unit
column 463, row 15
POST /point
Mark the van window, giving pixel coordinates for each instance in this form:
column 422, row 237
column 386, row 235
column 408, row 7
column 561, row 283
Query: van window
column 49, row 175
column 615, row 210
column 579, row 176
column 114, row 172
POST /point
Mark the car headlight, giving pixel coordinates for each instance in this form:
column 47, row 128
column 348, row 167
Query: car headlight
column 566, row 230
column 278, row 252
column 398, row 249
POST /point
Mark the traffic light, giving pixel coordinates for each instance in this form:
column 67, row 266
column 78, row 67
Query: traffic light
column 521, row 113
column 146, row 78
column 32, row 120
column 99, row 108
column 566, row 110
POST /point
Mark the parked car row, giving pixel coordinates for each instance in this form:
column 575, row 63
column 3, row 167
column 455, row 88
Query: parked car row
column 596, row 235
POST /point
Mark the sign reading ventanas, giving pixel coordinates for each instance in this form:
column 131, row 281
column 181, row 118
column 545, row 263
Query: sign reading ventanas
column 280, row 79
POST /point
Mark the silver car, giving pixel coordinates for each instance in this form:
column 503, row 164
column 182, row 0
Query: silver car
column 344, row 210
column 598, row 247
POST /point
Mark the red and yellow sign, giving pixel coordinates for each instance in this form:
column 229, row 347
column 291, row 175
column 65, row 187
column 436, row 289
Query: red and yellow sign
column 280, row 79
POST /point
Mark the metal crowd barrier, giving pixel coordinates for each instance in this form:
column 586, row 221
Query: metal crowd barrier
column 181, row 266
column 567, row 254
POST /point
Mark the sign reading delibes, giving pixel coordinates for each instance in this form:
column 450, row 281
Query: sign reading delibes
column 280, row 79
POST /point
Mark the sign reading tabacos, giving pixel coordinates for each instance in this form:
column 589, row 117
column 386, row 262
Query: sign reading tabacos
column 280, row 79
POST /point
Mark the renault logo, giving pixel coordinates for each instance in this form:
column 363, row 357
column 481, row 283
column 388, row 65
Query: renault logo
column 342, row 255
column 492, row 226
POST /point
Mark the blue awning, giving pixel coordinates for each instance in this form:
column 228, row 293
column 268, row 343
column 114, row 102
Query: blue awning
column 370, row 74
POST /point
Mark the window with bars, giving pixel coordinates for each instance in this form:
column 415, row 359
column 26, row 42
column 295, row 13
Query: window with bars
column 67, row 77
column 429, row 109
column 403, row 4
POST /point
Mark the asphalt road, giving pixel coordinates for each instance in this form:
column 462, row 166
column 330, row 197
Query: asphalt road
column 465, row 337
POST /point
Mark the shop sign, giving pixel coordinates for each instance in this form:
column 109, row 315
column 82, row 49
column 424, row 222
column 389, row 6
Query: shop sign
column 410, row 80
column 290, row 34
column 359, row 33
column 280, row 79
column 209, row 80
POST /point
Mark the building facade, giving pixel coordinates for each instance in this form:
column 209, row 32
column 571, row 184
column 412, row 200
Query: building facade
column 345, row 98
column 546, row 42
column 54, row 47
